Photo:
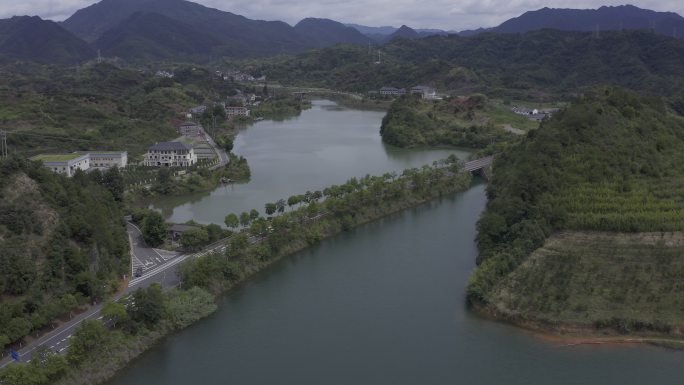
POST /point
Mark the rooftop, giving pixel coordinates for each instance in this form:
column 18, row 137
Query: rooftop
column 57, row 157
column 170, row 146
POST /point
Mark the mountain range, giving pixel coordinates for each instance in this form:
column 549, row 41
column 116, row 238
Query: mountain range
column 623, row 17
column 144, row 30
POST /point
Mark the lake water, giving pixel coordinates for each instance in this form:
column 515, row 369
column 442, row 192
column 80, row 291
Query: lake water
column 327, row 144
column 381, row 304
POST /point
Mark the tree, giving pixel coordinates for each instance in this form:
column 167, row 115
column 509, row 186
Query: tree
column 214, row 231
column 253, row 214
column 280, row 204
column 154, row 228
column 226, row 142
column 232, row 221
column 194, row 239
column 90, row 338
column 22, row 375
column 164, row 175
column 259, row 226
column 293, row 200
column 245, row 219
column 115, row 312
column 271, row 208
column 4, row 340
column 149, row 304
column 113, row 181
column 49, row 362
column 237, row 244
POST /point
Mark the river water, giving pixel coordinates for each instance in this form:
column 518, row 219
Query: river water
column 327, row 144
column 382, row 304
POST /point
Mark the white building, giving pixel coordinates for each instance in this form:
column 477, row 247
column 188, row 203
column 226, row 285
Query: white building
column 391, row 91
column 64, row 163
column 425, row 92
column 170, row 154
column 68, row 163
column 108, row 159
column 191, row 129
column 237, row 111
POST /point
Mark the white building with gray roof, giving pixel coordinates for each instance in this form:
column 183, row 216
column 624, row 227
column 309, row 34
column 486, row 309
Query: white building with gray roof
column 170, row 154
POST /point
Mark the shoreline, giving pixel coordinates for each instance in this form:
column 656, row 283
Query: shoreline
column 573, row 335
column 460, row 183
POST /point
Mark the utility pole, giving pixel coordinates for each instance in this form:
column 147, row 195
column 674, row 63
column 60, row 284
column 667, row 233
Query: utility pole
column 3, row 145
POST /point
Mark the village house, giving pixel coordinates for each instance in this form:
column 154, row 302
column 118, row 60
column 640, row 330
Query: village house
column 108, row 159
column 191, row 129
column 391, row 91
column 64, row 163
column 170, row 154
column 199, row 110
column 237, row 111
column 68, row 163
column 425, row 92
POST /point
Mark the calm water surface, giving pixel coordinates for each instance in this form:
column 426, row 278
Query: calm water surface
column 327, row 144
column 382, row 304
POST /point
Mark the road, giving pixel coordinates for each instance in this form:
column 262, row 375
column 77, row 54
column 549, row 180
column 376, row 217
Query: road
column 143, row 256
column 223, row 157
column 157, row 265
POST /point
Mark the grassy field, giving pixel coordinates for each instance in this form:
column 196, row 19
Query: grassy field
column 632, row 281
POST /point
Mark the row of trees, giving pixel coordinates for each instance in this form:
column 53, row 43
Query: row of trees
column 311, row 218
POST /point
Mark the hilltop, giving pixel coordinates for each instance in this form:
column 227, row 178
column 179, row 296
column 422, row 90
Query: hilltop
column 44, row 41
column 584, row 222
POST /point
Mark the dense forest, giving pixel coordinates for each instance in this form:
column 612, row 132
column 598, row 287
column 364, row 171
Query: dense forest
column 99, row 106
column 612, row 162
column 535, row 64
column 464, row 122
column 63, row 244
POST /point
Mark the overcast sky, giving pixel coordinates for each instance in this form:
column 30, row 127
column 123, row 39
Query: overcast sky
column 443, row 14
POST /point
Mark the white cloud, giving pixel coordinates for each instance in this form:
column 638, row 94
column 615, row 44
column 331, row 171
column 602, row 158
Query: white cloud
column 445, row 14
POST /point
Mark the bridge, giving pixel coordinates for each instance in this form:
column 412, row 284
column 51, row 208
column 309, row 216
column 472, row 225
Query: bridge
column 479, row 164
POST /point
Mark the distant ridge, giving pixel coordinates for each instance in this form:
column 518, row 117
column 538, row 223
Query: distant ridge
column 43, row 41
column 151, row 36
column 606, row 18
column 326, row 32
column 404, row 32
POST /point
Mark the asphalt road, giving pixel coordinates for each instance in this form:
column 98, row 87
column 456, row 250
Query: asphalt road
column 143, row 256
column 158, row 267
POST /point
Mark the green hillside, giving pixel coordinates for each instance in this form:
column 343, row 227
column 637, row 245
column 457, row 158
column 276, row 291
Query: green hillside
column 534, row 64
column 613, row 163
column 472, row 121
column 98, row 106
column 63, row 244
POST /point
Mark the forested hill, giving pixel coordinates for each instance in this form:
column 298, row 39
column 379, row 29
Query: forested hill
column 604, row 18
column 44, row 41
column 534, row 63
column 63, row 244
column 611, row 162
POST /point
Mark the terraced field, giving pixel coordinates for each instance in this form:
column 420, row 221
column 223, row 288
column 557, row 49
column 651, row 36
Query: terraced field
column 630, row 282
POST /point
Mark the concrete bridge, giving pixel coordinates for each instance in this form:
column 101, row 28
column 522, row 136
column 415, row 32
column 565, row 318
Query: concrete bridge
column 479, row 164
